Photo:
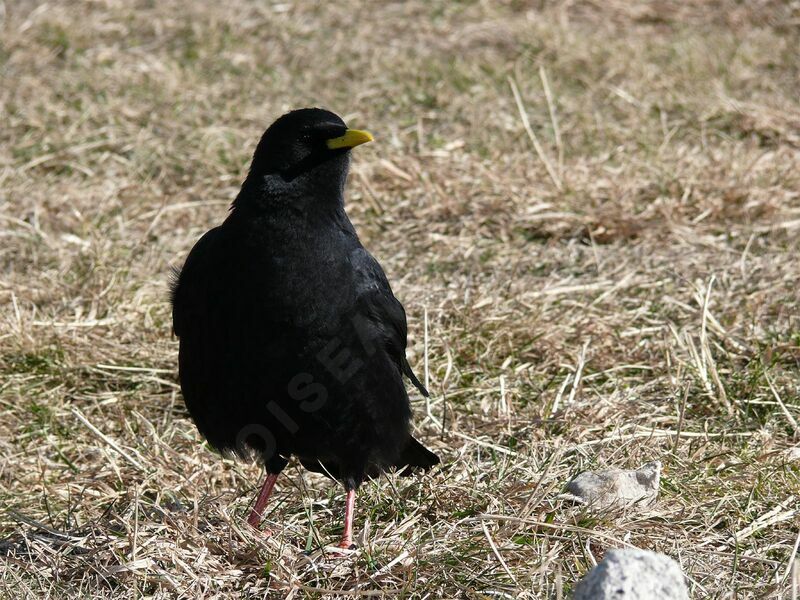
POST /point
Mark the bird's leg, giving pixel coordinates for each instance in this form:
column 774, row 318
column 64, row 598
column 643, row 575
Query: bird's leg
column 261, row 502
column 347, row 534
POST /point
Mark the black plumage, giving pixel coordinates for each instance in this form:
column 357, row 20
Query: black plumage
column 291, row 340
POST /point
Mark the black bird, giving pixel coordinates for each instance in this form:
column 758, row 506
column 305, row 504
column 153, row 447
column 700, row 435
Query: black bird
column 291, row 340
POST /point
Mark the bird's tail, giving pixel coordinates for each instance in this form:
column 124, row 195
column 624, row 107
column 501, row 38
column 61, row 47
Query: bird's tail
column 415, row 456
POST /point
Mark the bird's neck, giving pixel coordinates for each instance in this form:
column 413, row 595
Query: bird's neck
column 319, row 185
column 280, row 208
column 308, row 191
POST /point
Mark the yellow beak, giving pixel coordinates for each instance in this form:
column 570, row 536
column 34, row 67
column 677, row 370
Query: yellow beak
column 350, row 139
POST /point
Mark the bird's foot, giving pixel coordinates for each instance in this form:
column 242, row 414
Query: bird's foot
column 340, row 550
column 254, row 520
column 266, row 531
column 346, row 544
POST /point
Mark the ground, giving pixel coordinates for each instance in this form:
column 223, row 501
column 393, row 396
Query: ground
column 594, row 205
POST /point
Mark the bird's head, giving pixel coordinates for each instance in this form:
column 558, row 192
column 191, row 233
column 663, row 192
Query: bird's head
column 305, row 150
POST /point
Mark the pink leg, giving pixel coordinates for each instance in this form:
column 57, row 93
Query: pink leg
column 266, row 490
column 347, row 535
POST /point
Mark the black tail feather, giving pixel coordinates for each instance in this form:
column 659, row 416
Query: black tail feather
column 415, row 456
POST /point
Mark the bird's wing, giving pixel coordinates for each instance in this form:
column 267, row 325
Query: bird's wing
column 186, row 291
column 384, row 312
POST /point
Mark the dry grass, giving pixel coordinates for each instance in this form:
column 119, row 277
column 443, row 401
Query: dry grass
column 623, row 290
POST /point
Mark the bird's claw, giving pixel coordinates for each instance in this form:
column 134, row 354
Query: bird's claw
column 346, row 545
column 255, row 522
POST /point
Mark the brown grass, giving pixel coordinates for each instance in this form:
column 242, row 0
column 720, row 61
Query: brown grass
column 623, row 290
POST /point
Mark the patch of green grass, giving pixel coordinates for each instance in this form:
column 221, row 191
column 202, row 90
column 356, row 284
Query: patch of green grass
column 55, row 37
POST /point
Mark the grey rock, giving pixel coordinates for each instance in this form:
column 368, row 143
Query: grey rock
column 633, row 574
column 616, row 488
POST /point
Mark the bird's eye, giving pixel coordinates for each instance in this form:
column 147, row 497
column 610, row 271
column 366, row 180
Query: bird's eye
column 326, row 131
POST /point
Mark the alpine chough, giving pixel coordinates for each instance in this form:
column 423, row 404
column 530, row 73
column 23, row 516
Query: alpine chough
column 291, row 340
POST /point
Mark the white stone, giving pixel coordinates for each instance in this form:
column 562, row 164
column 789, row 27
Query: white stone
column 616, row 488
column 633, row 574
